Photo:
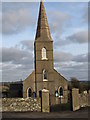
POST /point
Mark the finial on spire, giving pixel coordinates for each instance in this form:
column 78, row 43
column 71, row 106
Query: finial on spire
column 41, row 0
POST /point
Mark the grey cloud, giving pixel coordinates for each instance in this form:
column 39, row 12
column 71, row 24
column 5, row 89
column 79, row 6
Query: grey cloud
column 16, row 64
column 81, row 58
column 72, row 66
column 60, row 56
column 60, row 42
column 16, row 56
column 11, row 66
column 7, row 6
column 11, row 72
column 0, row 21
column 69, row 70
column 79, row 37
column 86, row 15
column 21, row 63
column 75, row 66
column 80, row 75
column 81, row 67
column 18, row 16
column 27, row 44
column 58, row 21
column 15, row 21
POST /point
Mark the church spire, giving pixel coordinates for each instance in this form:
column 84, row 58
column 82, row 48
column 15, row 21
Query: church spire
column 42, row 26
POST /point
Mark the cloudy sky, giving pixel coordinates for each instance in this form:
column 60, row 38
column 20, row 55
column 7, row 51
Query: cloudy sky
column 69, row 30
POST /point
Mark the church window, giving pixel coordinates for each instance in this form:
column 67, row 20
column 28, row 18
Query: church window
column 29, row 92
column 61, row 91
column 56, row 93
column 44, row 75
column 44, row 53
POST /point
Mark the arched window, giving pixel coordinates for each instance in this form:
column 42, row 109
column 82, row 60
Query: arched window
column 29, row 92
column 56, row 93
column 44, row 74
column 61, row 91
column 44, row 53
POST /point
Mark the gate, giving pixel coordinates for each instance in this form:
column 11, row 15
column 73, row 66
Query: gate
column 56, row 104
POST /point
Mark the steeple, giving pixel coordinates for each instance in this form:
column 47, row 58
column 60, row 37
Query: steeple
column 42, row 26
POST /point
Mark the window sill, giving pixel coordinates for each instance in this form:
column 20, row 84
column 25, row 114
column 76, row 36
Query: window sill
column 60, row 96
column 45, row 80
column 44, row 58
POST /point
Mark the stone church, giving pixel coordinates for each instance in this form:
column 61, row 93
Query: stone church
column 45, row 76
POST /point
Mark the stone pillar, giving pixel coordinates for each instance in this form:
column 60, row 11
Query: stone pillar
column 89, row 98
column 75, row 99
column 45, row 101
column 89, row 91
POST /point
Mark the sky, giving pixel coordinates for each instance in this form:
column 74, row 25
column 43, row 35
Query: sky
column 69, row 30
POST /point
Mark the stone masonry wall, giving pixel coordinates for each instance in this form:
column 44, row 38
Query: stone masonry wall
column 83, row 99
column 20, row 104
column 80, row 100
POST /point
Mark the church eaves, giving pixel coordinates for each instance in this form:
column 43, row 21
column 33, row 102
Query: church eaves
column 42, row 25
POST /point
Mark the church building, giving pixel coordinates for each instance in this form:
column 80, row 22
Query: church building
column 45, row 76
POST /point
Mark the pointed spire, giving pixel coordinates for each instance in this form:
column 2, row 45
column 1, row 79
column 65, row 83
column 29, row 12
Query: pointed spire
column 42, row 26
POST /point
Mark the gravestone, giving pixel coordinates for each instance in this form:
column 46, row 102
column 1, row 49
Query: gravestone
column 45, row 101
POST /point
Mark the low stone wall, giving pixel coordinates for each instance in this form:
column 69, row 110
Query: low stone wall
column 20, row 104
column 89, row 99
column 83, row 100
column 79, row 100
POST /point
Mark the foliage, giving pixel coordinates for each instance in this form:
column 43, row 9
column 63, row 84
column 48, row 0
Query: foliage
column 81, row 85
column 75, row 82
